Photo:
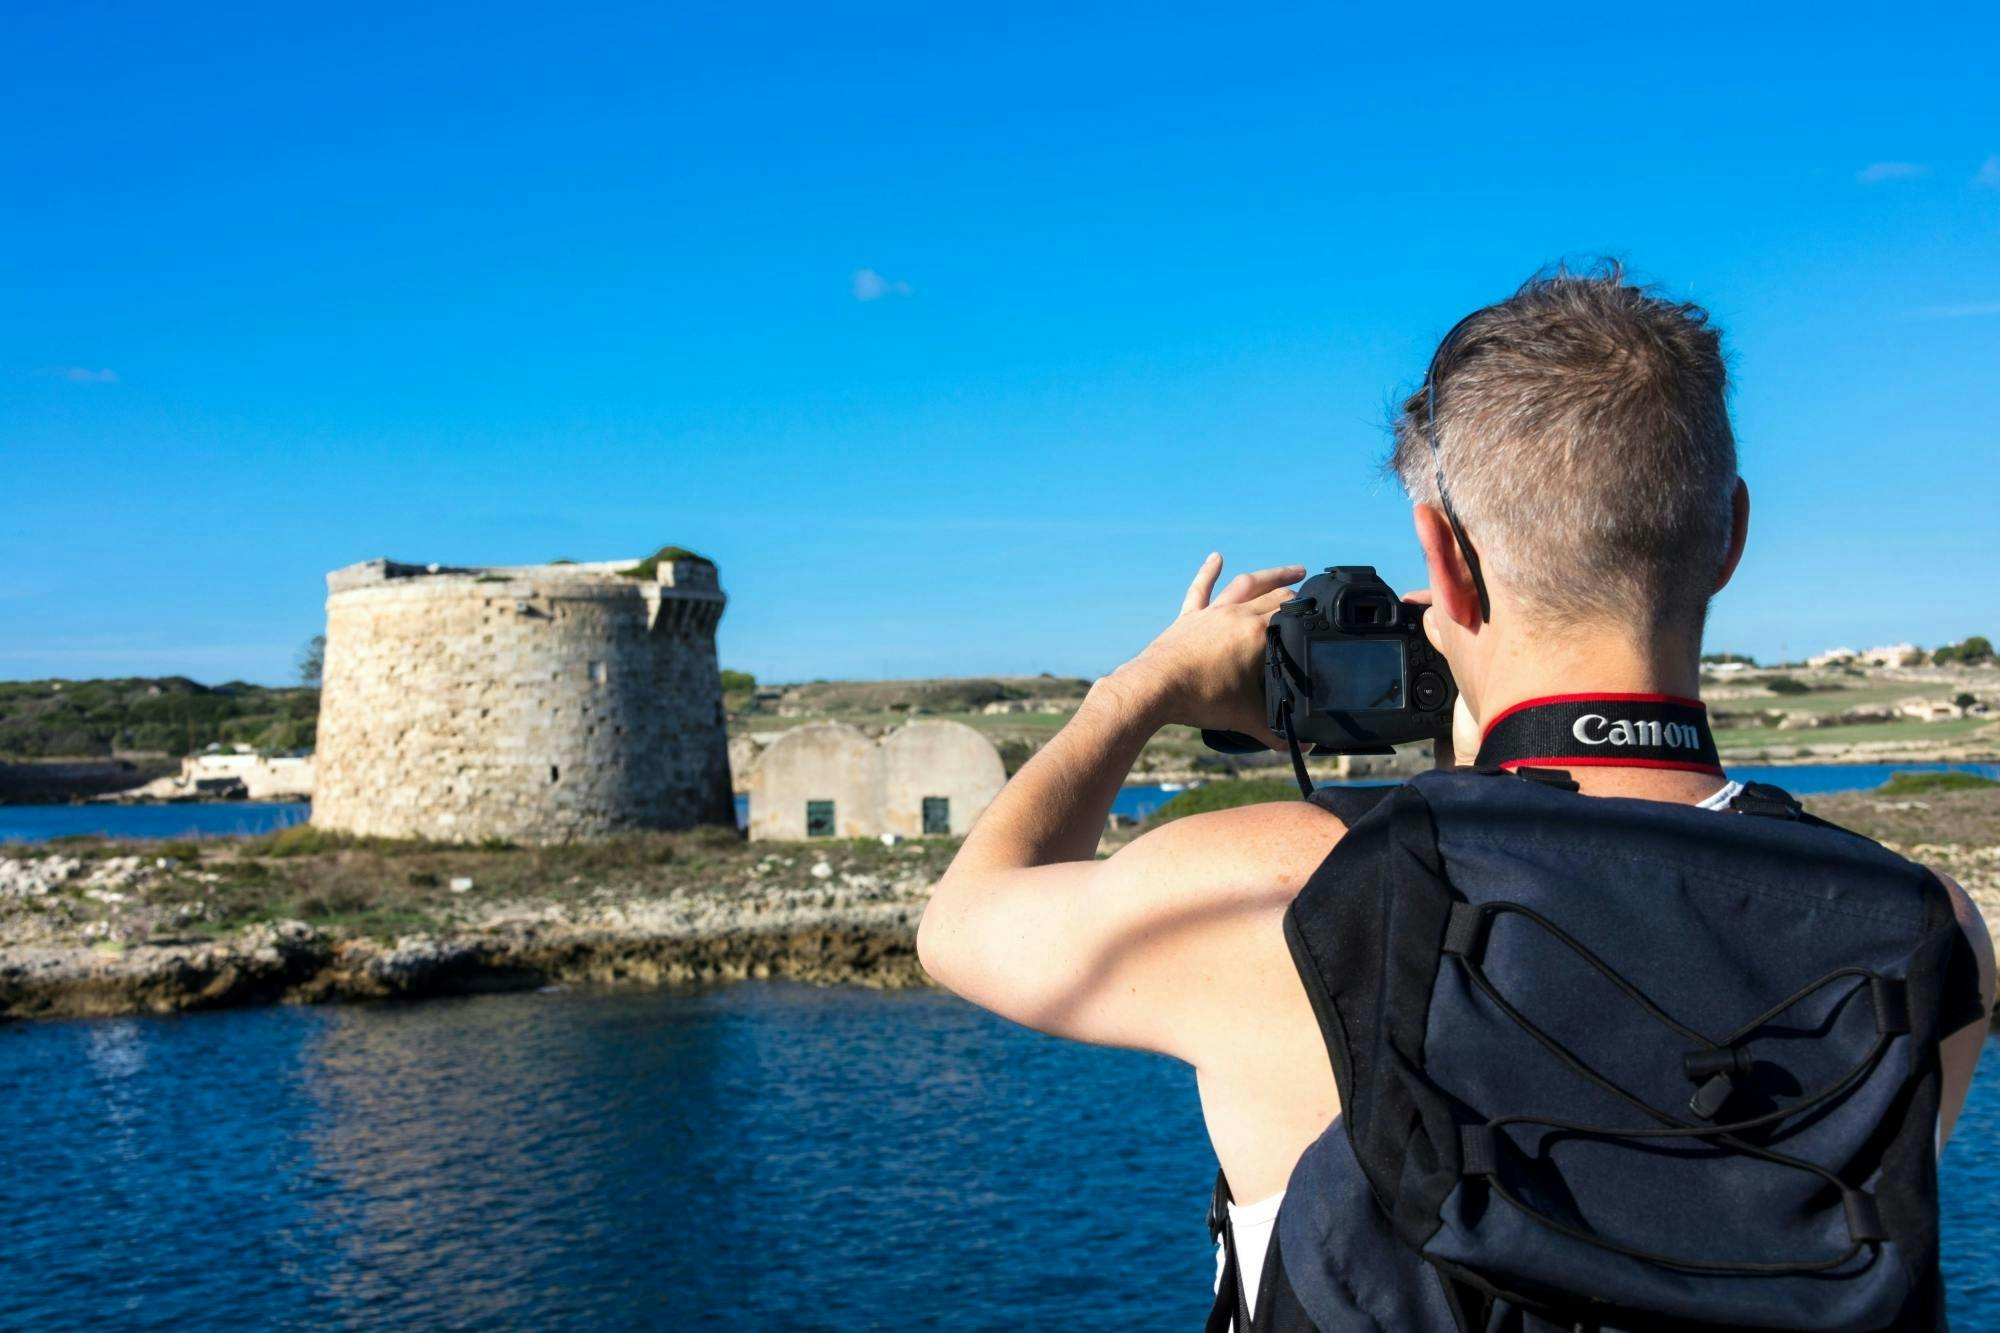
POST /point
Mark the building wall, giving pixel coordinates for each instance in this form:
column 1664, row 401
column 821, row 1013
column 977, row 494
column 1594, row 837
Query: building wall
column 264, row 778
column 826, row 761
column 931, row 758
column 876, row 787
column 533, row 704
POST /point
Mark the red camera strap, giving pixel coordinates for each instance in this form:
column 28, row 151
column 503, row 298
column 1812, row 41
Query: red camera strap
column 1586, row 730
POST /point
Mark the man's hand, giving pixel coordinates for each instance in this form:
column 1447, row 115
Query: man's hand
column 1203, row 669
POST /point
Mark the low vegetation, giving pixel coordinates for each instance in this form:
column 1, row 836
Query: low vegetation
column 649, row 568
column 1927, row 784
column 384, row 887
column 1211, row 796
column 171, row 715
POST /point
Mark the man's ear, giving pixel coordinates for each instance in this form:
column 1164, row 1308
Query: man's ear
column 1739, row 532
column 1452, row 588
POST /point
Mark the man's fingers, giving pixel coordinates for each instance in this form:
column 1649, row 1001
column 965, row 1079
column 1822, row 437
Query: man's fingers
column 1249, row 587
column 1204, row 583
column 1269, row 602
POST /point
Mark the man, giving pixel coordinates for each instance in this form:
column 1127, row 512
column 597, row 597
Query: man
column 1582, row 448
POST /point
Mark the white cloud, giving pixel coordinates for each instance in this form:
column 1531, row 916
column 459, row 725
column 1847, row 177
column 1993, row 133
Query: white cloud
column 1988, row 173
column 1964, row 310
column 872, row 286
column 82, row 375
column 1877, row 172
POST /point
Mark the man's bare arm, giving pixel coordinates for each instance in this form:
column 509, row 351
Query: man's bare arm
column 1961, row 1049
column 1129, row 951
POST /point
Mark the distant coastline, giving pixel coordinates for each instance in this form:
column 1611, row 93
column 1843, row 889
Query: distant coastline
column 1840, row 709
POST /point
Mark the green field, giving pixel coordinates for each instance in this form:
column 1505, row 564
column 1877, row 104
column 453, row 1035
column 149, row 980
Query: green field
column 1903, row 730
column 1835, row 700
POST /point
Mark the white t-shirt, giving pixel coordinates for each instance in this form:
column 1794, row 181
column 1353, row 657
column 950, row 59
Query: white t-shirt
column 1251, row 1224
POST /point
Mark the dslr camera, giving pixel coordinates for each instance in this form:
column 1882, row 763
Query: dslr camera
column 1347, row 670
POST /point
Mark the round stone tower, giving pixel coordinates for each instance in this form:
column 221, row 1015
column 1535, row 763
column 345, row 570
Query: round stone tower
column 531, row 703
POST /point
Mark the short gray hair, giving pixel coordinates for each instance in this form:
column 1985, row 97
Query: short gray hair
column 1583, row 425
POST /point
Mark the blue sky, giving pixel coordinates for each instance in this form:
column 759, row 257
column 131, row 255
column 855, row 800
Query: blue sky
column 285, row 289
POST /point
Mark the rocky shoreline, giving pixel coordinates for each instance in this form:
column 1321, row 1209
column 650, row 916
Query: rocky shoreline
column 291, row 962
column 294, row 918
column 123, row 933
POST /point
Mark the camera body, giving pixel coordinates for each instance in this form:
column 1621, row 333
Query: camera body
column 1347, row 666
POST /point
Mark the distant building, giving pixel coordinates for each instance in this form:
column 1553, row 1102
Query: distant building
column 533, row 703
column 1930, row 710
column 829, row 780
column 233, row 774
column 1832, row 657
column 1895, row 654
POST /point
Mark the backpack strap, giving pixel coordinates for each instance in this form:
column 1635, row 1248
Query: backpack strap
column 1229, row 1285
column 1349, row 804
column 1278, row 1309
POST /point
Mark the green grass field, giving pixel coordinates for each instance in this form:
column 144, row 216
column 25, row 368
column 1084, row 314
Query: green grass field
column 1902, row 731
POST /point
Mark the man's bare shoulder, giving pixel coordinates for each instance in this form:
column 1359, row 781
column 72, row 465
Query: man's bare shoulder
column 1281, row 840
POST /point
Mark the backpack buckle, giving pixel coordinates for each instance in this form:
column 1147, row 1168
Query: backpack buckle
column 1761, row 798
column 1714, row 1069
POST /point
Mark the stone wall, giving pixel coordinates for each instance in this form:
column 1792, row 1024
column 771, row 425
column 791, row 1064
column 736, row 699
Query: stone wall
column 533, row 704
column 876, row 787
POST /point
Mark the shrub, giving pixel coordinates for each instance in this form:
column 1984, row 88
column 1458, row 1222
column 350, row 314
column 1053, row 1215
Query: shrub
column 181, row 850
column 1919, row 784
column 1971, row 651
column 298, row 840
column 649, row 568
column 1786, row 685
column 1224, row 796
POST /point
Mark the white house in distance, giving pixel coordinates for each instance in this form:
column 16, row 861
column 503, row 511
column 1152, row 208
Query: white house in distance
column 829, row 780
column 232, row 773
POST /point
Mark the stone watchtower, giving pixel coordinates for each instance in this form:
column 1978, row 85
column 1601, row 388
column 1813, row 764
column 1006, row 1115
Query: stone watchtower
column 532, row 703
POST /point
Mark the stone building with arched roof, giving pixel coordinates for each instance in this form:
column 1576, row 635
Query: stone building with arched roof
column 831, row 780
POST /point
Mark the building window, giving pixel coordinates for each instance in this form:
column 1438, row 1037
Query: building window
column 819, row 819
column 937, row 814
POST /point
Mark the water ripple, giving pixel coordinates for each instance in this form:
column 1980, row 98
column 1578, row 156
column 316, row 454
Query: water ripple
column 755, row 1157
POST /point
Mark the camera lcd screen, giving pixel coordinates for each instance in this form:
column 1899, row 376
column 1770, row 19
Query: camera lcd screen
column 1350, row 675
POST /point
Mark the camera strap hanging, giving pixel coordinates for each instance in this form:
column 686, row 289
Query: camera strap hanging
column 1592, row 730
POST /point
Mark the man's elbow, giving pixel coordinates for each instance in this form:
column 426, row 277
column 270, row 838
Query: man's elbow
column 934, row 936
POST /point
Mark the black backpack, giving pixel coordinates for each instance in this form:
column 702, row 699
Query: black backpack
column 1614, row 1064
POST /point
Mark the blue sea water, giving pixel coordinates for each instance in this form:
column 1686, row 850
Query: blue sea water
column 754, row 1157
column 39, row 823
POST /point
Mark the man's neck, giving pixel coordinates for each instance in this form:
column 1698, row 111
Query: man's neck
column 1598, row 664
column 1609, row 664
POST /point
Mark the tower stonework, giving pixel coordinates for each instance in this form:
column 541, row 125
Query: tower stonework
column 531, row 703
